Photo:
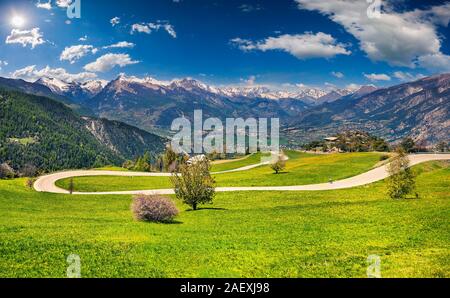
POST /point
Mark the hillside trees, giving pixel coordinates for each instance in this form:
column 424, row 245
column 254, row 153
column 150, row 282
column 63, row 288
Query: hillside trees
column 408, row 145
column 50, row 136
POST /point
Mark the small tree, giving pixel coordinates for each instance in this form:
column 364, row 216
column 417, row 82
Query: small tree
column 279, row 163
column 442, row 147
column 408, row 145
column 194, row 184
column 30, row 183
column 71, row 186
column 6, row 172
column 402, row 180
column 141, row 165
column 170, row 158
column 28, row 170
column 128, row 164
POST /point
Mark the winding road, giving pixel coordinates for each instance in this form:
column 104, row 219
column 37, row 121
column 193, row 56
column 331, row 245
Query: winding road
column 47, row 183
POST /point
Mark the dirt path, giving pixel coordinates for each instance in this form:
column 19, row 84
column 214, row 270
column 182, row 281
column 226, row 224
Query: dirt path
column 47, row 183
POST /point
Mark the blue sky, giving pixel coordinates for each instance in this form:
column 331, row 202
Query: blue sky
column 283, row 43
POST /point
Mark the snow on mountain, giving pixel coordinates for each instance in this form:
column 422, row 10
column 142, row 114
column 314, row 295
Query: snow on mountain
column 94, row 87
column 55, row 85
column 73, row 90
column 130, row 84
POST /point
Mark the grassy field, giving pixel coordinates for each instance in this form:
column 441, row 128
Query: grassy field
column 259, row 234
column 301, row 169
column 239, row 163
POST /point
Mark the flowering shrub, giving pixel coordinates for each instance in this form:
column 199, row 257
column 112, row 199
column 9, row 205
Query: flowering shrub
column 153, row 208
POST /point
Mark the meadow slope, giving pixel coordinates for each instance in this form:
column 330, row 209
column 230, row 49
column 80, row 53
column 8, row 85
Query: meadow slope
column 259, row 234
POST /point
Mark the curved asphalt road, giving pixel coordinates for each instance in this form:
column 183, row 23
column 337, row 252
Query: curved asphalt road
column 47, row 183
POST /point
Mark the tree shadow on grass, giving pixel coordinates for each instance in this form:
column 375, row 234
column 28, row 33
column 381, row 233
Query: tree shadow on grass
column 172, row 222
column 206, row 208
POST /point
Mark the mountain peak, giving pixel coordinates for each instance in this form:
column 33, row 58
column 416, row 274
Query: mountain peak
column 188, row 84
column 366, row 89
column 73, row 90
column 144, row 81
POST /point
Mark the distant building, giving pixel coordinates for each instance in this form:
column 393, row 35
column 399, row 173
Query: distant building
column 331, row 145
column 331, row 139
column 196, row 159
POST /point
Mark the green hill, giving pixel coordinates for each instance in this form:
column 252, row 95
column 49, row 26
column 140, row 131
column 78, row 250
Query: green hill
column 48, row 134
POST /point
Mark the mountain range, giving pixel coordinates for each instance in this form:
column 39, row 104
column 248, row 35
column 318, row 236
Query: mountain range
column 49, row 135
column 148, row 103
column 419, row 109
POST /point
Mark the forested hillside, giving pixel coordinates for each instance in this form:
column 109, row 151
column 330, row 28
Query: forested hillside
column 41, row 90
column 49, row 135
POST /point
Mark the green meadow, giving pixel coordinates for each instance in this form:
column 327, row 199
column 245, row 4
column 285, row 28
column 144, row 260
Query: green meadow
column 243, row 234
column 301, row 169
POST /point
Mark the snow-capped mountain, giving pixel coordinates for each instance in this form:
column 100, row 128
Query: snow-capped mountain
column 94, row 87
column 56, row 86
column 78, row 92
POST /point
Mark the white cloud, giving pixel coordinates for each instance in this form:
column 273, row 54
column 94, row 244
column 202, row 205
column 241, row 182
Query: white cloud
column 83, row 38
column 63, row 3
column 31, row 73
column 378, row 77
column 150, row 27
column 302, row 46
column 399, row 38
column 31, row 37
column 115, row 21
column 435, row 62
column 249, row 7
column 337, row 74
column 121, row 44
column 3, row 63
column 44, row 5
column 353, row 87
column 406, row 76
column 250, row 81
column 170, row 29
column 74, row 53
column 141, row 28
column 109, row 61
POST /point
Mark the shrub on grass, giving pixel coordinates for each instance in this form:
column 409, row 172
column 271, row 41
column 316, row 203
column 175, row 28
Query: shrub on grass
column 30, row 182
column 384, row 157
column 6, row 172
column 153, row 208
column 28, row 170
